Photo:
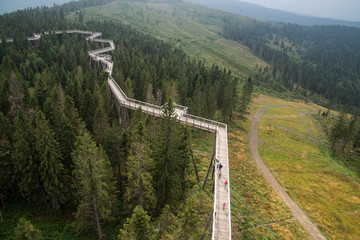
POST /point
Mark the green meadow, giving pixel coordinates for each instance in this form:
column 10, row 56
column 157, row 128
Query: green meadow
column 257, row 212
column 317, row 181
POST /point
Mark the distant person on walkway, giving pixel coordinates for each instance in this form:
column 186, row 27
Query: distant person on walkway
column 224, row 205
column 226, row 183
column 220, row 166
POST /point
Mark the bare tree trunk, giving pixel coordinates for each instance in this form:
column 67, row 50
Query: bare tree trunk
column 1, row 217
column 194, row 163
column 207, row 175
column 98, row 223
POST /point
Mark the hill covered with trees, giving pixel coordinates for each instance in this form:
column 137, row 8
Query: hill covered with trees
column 62, row 149
column 319, row 62
column 268, row 14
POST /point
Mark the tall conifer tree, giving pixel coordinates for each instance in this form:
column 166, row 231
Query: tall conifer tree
column 139, row 190
column 23, row 155
column 138, row 227
column 52, row 175
column 167, row 173
column 94, row 185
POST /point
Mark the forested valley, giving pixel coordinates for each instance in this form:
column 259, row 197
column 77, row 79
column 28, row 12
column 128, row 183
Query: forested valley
column 320, row 62
column 69, row 169
column 62, row 150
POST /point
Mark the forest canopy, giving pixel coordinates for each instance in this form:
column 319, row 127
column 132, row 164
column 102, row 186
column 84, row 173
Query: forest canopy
column 61, row 145
column 317, row 60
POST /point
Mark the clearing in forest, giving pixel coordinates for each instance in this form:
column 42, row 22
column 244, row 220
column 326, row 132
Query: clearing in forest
column 320, row 184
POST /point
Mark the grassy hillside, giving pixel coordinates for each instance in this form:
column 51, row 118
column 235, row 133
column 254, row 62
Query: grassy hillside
column 257, row 211
column 314, row 177
column 197, row 30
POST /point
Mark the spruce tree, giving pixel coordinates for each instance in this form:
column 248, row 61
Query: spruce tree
column 52, row 174
column 138, row 227
column 166, row 222
column 184, row 154
column 198, row 99
column 94, row 185
column 100, row 125
column 167, row 172
column 6, row 165
column 24, row 157
column 70, row 127
column 117, row 148
column 87, row 109
column 139, row 189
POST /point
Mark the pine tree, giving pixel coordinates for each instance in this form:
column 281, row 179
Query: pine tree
column 139, row 189
column 52, row 174
column 138, row 227
column 94, row 185
column 26, row 231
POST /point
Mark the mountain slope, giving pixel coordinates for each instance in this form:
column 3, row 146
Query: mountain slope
column 268, row 14
column 195, row 29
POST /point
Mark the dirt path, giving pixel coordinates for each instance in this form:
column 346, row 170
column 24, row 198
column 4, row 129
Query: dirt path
column 299, row 215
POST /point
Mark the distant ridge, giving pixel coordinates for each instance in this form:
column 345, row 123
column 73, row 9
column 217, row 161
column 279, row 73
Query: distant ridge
column 268, row 14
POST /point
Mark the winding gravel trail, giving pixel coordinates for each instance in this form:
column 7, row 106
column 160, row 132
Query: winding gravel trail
column 299, row 215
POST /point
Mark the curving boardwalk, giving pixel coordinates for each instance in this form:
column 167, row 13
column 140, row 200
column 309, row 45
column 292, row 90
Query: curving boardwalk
column 298, row 213
column 221, row 228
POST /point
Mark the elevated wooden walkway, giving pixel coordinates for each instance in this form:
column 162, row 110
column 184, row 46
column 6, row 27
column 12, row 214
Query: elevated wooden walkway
column 221, row 228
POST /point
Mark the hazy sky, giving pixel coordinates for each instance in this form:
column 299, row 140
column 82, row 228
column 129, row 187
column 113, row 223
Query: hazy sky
column 338, row 9
column 13, row 5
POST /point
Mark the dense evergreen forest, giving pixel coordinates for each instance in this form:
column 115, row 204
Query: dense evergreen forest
column 61, row 146
column 320, row 62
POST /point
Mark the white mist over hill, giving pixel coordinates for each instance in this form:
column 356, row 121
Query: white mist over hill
column 13, row 5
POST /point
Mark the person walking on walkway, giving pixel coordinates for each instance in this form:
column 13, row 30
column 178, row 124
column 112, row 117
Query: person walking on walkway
column 224, row 205
column 226, row 183
column 220, row 166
